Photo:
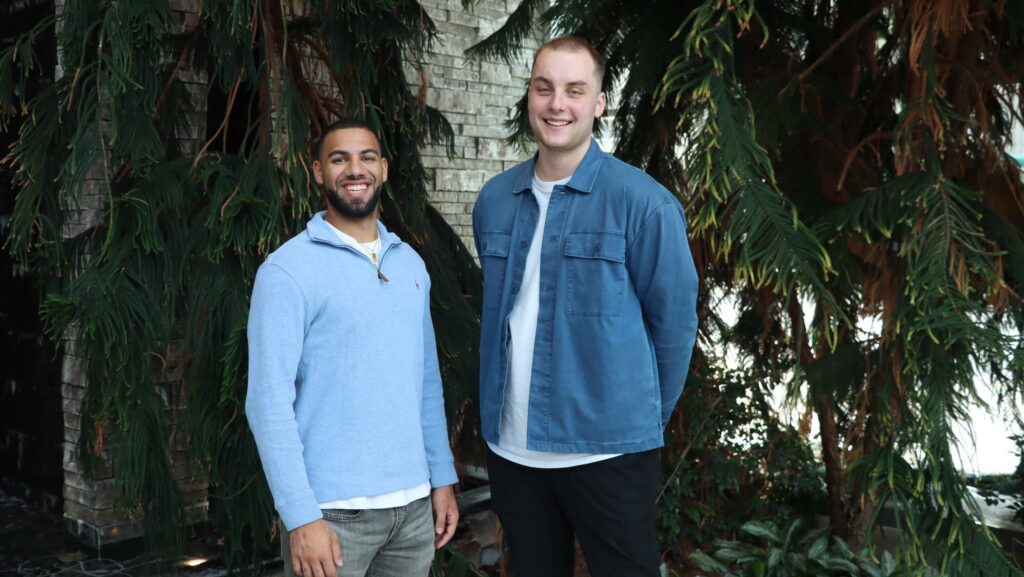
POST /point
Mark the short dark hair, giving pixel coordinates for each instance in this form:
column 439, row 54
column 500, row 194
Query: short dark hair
column 341, row 124
column 570, row 43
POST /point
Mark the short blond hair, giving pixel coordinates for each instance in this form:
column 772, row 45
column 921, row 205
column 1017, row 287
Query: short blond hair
column 570, row 43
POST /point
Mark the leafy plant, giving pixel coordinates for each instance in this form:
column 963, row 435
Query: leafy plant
column 146, row 232
column 737, row 462
column 847, row 189
column 796, row 551
column 450, row 563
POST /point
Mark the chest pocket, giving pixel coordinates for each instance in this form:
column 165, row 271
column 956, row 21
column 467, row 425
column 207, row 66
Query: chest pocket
column 494, row 262
column 595, row 273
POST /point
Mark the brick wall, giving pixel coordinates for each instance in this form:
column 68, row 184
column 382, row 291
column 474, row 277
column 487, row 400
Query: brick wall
column 477, row 98
column 89, row 511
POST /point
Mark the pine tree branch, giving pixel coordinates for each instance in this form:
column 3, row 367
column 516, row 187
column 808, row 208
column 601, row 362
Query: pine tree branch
column 835, row 45
column 852, row 155
column 224, row 121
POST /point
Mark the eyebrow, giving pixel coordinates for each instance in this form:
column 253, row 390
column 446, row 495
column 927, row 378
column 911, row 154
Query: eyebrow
column 546, row 80
column 337, row 151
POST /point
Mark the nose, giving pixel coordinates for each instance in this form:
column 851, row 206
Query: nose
column 557, row 101
column 354, row 168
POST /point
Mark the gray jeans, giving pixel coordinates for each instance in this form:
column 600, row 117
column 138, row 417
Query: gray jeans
column 395, row 542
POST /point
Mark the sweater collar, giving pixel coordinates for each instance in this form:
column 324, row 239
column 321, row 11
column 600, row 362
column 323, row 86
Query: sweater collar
column 320, row 230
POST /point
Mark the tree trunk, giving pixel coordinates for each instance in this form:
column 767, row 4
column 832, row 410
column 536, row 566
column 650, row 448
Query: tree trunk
column 831, row 454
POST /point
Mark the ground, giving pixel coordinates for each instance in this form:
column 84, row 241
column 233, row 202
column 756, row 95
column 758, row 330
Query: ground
column 33, row 544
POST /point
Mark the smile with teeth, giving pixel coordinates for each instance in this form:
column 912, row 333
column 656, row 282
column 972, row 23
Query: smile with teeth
column 556, row 123
column 355, row 188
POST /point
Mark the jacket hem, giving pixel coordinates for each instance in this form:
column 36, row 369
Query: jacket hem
column 598, row 447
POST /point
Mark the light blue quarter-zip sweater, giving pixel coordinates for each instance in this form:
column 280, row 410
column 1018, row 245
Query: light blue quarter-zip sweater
column 344, row 394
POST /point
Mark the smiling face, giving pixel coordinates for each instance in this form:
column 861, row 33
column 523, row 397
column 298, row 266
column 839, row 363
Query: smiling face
column 351, row 173
column 563, row 101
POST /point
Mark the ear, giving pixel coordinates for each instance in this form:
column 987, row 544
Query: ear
column 601, row 103
column 384, row 166
column 318, row 172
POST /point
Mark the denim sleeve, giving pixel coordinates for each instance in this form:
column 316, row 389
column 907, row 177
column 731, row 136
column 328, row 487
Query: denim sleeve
column 662, row 271
column 476, row 223
column 435, row 429
column 275, row 332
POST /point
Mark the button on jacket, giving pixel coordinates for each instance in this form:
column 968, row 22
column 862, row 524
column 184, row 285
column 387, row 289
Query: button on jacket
column 617, row 318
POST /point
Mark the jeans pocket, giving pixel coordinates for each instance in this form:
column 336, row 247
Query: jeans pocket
column 341, row 515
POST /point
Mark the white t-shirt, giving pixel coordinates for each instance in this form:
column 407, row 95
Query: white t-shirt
column 523, row 326
column 401, row 497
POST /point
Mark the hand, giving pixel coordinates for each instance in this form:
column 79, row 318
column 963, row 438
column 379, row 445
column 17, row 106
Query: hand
column 315, row 550
column 446, row 514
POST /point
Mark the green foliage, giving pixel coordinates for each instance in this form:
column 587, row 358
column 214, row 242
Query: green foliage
column 737, row 462
column 514, row 32
column 796, row 551
column 847, row 190
column 450, row 563
column 147, row 234
column 760, row 232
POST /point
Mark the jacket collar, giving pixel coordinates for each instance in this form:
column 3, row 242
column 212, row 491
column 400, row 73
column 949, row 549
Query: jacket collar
column 582, row 180
column 320, row 230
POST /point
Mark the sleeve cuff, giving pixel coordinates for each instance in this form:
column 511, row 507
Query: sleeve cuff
column 299, row 514
column 443, row 474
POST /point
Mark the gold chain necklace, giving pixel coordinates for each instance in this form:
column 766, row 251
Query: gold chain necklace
column 374, row 249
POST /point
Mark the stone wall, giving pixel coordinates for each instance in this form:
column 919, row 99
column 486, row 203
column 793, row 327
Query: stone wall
column 90, row 513
column 477, row 98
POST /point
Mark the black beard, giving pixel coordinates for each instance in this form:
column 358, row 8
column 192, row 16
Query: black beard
column 348, row 209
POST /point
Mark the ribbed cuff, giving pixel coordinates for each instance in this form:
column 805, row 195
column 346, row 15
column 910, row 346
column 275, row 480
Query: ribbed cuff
column 443, row 474
column 298, row 514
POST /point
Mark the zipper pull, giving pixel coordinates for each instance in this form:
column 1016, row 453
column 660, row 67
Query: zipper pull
column 381, row 276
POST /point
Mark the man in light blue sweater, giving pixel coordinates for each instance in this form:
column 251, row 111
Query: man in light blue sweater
column 344, row 394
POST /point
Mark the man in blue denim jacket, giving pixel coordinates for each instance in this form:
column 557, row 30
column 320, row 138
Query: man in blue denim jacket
column 588, row 324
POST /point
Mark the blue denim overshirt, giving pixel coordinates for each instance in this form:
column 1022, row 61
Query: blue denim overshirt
column 617, row 318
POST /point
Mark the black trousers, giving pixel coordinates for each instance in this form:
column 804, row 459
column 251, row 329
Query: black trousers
column 609, row 506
